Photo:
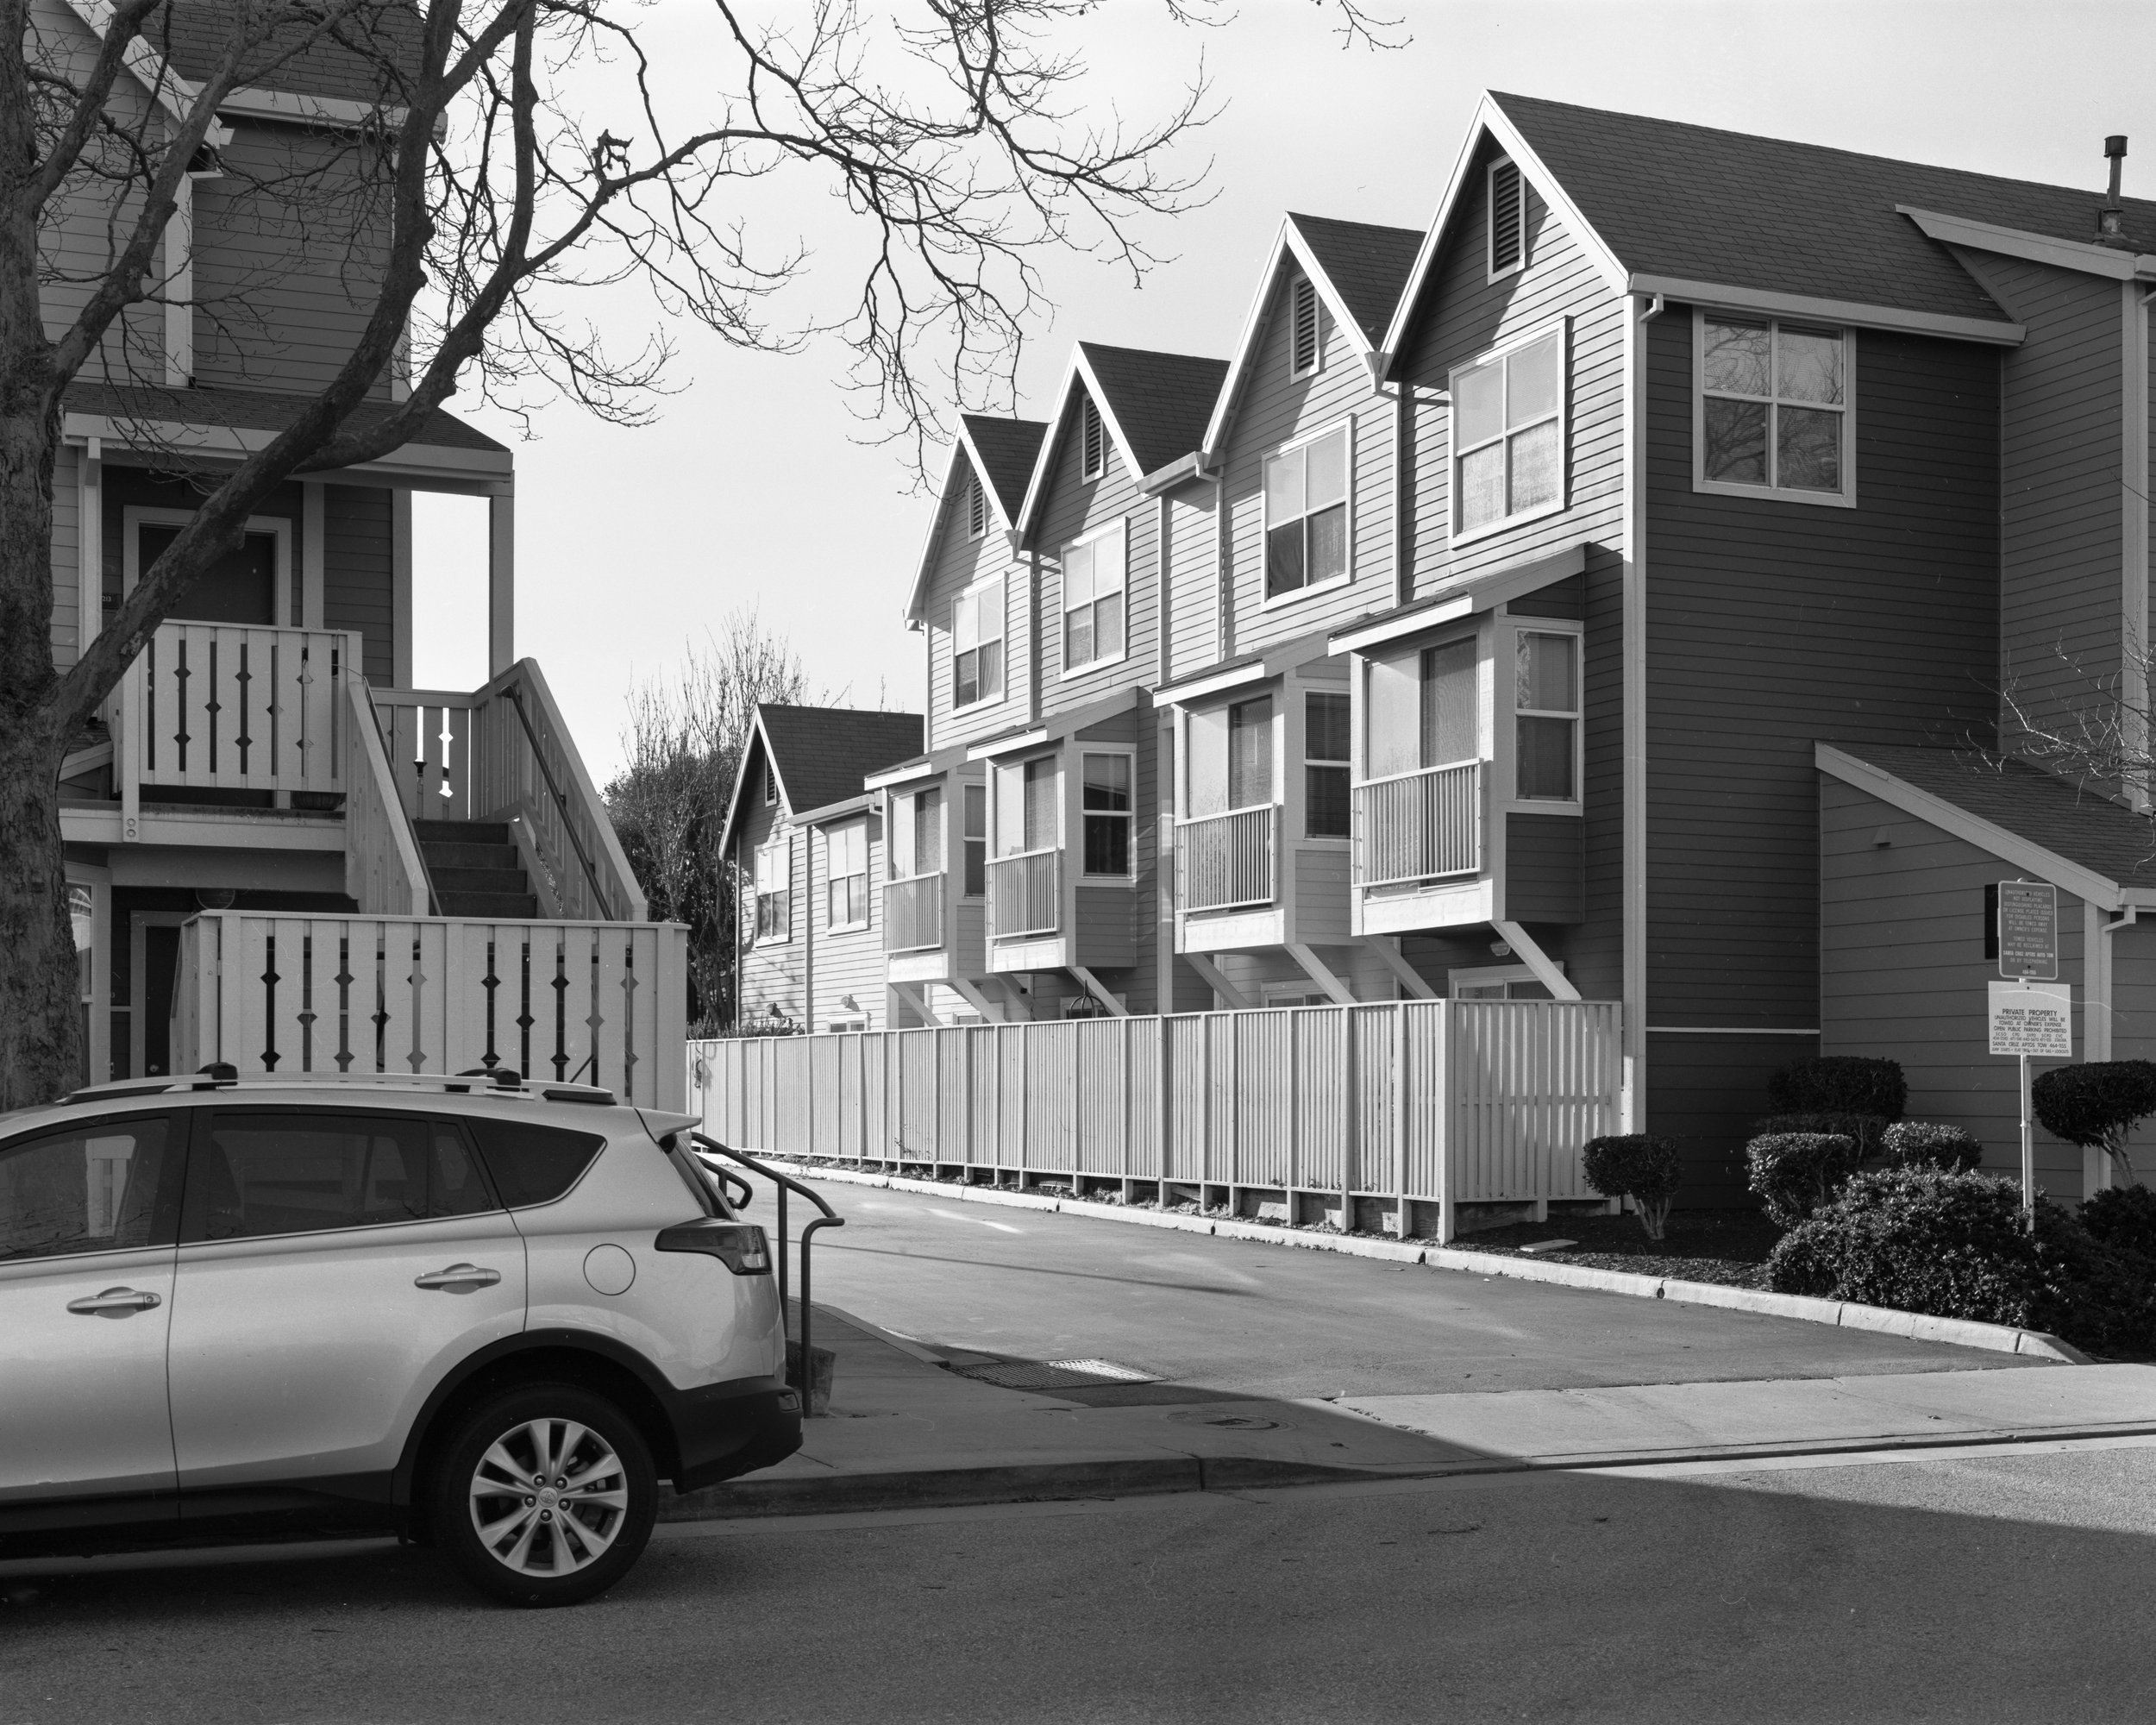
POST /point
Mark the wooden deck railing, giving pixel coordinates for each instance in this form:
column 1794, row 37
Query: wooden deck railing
column 566, row 1003
column 1419, row 827
column 1412, row 1107
column 1025, row 895
column 383, row 870
column 913, row 914
column 1224, row 862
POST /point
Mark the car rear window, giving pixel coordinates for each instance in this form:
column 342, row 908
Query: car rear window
column 532, row 1164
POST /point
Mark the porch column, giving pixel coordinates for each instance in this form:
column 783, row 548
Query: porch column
column 501, row 582
column 400, row 623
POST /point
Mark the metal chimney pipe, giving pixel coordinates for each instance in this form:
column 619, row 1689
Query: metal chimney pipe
column 2115, row 147
column 2111, row 218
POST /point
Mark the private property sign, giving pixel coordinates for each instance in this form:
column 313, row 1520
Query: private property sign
column 2032, row 1020
column 2028, row 930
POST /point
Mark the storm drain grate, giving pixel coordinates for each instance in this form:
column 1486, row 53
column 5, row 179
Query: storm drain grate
column 1055, row 1374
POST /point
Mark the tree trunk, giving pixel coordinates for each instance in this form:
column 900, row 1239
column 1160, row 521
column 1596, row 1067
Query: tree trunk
column 41, row 1055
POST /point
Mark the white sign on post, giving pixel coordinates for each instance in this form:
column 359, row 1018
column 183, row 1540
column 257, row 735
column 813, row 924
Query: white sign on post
column 2033, row 1018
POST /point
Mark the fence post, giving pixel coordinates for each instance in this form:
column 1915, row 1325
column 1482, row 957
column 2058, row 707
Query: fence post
column 1294, row 1114
column 1351, row 1146
column 894, row 1103
column 1166, row 1100
column 1442, row 1094
column 1399, row 1101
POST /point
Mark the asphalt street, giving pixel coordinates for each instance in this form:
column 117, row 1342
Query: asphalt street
column 1254, row 1319
column 1972, row 1587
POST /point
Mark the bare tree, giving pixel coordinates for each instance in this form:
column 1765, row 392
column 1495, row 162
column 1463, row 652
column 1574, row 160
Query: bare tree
column 684, row 740
column 2093, row 725
column 514, row 150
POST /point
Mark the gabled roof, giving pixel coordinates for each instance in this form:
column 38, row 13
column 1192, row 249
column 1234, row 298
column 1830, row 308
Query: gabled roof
column 2075, row 836
column 821, row 753
column 252, row 410
column 1002, row 451
column 1663, row 207
column 1153, row 406
column 1358, row 270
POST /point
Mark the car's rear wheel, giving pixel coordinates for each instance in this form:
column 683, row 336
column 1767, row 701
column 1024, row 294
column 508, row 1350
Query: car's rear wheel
column 545, row 1495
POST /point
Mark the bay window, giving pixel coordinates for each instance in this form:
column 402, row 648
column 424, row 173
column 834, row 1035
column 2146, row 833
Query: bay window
column 1324, row 772
column 916, row 834
column 846, row 876
column 1025, row 806
column 1546, row 715
column 1307, row 514
column 1092, row 599
column 1106, row 810
column 1228, row 758
column 975, row 809
column 976, row 645
column 1509, row 435
column 1772, row 410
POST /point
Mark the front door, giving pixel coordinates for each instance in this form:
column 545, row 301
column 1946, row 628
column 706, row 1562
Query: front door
column 334, row 1266
column 86, row 1306
column 240, row 587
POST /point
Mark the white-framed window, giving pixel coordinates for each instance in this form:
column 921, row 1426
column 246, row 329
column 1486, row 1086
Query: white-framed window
column 1306, row 343
column 1509, row 435
column 1545, row 715
column 1424, row 709
column 846, row 876
column 1771, row 412
column 775, row 890
column 1307, row 514
column 1024, row 811
column 976, row 507
column 1092, row 441
column 974, row 811
column 1228, row 758
column 1327, row 759
column 1496, row 982
column 1093, row 582
column 1106, row 783
column 1507, row 220
column 916, row 840
column 976, row 645
column 846, row 1025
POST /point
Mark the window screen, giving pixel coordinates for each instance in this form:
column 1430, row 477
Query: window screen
column 272, row 1172
column 89, row 1188
column 533, row 1165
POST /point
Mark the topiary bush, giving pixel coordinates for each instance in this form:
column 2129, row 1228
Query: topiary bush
column 1639, row 1166
column 1794, row 1173
column 1954, row 1245
column 2124, row 1219
column 1840, row 1084
column 1868, row 1130
column 1920, row 1143
column 2097, row 1104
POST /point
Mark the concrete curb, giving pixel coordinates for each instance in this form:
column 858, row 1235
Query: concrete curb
column 1846, row 1314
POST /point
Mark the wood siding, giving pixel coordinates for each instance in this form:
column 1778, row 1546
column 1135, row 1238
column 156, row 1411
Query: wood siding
column 2061, row 545
column 1902, row 974
column 1546, row 865
column 849, row 962
column 1194, row 579
column 66, row 557
column 959, row 561
column 1073, row 507
column 1273, row 411
column 358, row 574
column 773, row 972
column 1773, row 625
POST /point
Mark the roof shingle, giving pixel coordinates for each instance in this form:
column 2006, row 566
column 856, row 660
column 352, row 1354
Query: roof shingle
column 1161, row 401
column 1008, row 448
column 254, row 410
column 1369, row 266
column 823, row 753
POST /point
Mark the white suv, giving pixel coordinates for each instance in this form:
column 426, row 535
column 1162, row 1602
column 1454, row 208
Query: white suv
column 487, row 1315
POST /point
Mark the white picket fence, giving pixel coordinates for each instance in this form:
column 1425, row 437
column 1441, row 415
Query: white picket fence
column 566, row 1003
column 1336, row 1110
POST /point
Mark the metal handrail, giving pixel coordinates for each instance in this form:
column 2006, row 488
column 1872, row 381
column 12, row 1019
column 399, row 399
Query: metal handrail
column 830, row 1219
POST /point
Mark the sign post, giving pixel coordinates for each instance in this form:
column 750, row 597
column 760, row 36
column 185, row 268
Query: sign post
column 2031, row 1013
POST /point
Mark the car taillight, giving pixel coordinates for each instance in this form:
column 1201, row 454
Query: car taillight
column 741, row 1247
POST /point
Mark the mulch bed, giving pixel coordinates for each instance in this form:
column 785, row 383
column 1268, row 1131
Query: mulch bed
column 1729, row 1246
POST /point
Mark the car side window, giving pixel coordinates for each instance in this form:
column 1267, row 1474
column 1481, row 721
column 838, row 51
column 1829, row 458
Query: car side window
column 269, row 1171
column 90, row 1188
column 533, row 1165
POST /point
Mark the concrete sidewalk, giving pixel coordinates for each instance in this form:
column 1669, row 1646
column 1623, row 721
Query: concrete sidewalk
column 905, row 1431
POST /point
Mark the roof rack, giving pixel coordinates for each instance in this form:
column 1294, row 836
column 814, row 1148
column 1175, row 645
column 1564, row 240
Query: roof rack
column 479, row 1081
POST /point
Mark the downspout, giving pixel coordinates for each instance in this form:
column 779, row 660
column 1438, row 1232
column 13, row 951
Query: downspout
column 2096, row 1165
column 2134, row 479
column 1635, row 710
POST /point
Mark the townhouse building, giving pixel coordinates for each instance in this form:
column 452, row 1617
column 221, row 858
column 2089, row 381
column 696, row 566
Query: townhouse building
column 284, row 854
column 1652, row 583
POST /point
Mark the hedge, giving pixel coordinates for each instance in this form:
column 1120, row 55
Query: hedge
column 2097, row 1104
column 1840, row 1084
column 1868, row 1130
column 1920, row 1143
column 1637, row 1165
column 1794, row 1173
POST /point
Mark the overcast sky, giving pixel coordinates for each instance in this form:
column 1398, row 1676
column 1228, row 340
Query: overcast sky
column 752, row 490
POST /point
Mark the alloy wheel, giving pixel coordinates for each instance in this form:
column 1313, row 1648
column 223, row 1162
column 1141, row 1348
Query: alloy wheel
column 548, row 1497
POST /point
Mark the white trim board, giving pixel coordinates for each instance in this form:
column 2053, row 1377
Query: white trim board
column 2038, row 248
column 1485, row 590
column 1812, row 306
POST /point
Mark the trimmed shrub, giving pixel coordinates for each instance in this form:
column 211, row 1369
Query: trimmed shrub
column 1920, row 1143
column 1867, row 1129
column 2124, row 1219
column 2097, row 1104
column 1794, row 1173
column 1637, row 1165
column 1952, row 1246
column 1840, row 1084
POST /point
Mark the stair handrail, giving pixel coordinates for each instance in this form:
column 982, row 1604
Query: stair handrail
column 371, row 795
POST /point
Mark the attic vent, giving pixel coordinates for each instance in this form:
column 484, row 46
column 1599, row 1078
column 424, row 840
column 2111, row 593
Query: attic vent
column 1303, row 356
column 770, row 784
column 1507, row 220
column 1095, row 444
column 977, row 508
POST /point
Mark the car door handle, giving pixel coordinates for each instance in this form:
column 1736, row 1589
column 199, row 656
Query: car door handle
column 113, row 1302
column 458, row 1275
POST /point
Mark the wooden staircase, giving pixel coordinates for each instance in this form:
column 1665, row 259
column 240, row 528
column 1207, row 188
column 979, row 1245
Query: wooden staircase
column 475, row 871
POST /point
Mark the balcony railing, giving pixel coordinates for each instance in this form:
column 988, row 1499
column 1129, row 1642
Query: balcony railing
column 1025, row 895
column 1419, row 827
column 238, row 707
column 1227, row 861
column 913, row 914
